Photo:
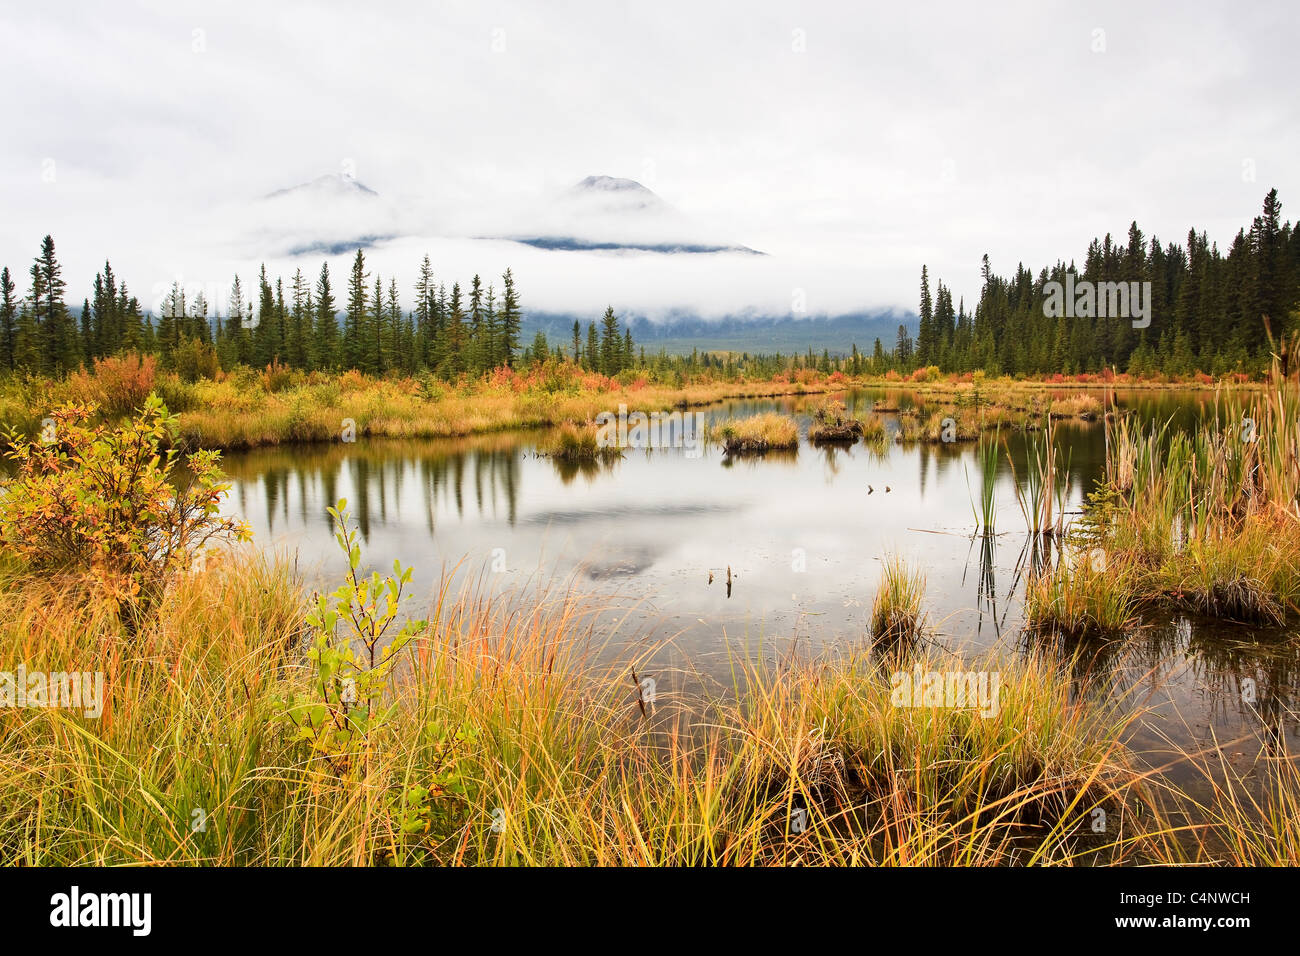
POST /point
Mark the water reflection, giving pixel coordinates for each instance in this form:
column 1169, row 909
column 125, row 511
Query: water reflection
column 803, row 533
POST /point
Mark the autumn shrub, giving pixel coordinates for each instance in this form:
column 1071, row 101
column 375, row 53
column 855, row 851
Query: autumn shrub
column 177, row 394
column 117, row 384
column 352, row 381
column 102, row 503
column 276, row 377
column 193, row 360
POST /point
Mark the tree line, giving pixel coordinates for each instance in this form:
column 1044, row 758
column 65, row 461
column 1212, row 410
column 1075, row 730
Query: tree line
column 1207, row 309
column 304, row 325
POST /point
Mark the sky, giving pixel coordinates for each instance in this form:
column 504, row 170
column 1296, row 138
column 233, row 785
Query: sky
column 850, row 142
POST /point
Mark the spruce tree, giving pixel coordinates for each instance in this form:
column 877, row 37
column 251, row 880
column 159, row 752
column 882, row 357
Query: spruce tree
column 511, row 318
column 236, row 334
column 354, row 320
column 477, row 358
column 925, row 338
column 424, row 306
column 376, row 352
column 454, row 341
column 264, row 333
column 610, row 343
column 58, row 334
column 593, row 348
column 325, row 351
column 8, row 319
column 299, row 320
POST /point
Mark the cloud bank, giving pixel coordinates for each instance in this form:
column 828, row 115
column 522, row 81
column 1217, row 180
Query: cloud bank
column 848, row 144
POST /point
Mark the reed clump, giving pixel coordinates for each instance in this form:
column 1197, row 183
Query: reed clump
column 1209, row 520
column 896, row 612
column 757, row 433
column 831, row 424
column 571, row 442
column 1080, row 598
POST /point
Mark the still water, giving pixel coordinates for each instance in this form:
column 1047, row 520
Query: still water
column 802, row 532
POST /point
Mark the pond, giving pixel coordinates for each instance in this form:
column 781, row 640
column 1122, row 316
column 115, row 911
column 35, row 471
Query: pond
column 803, row 534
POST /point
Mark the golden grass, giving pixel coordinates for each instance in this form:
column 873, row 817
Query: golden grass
column 1080, row 598
column 1208, row 520
column 757, row 433
column 896, row 614
column 510, row 744
column 226, row 417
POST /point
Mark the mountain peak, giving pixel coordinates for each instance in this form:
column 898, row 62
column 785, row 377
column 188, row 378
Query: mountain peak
column 331, row 184
column 611, row 184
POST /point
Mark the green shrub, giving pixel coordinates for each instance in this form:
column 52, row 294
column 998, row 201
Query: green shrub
column 101, row 502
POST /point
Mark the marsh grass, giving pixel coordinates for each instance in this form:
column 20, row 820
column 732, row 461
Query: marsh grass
column 512, row 743
column 896, row 610
column 987, row 456
column 579, row 443
column 831, row 423
column 1041, row 495
column 757, row 433
column 250, row 408
column 1239, row 816
column 1209, row 520
column 1079, row 600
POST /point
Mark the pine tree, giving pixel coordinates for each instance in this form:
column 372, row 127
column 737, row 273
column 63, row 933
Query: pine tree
column 199, row 319
column 57, row 333
column 8, row 320
column 610, row 343
column 925, row 338
column 28, row 354
column 299, row 323
column 903, row 348
column 477, row 345
column 236, row 337
column 424, row 308
column 593, row 348
column 454, row 340
column 280, row 327
column 396, row 356
column 441, row 310
column 130, row 321
column 264, row 333
column 325, row 346
column 577, row 342
column 511, row 318
column 354, row 320
column 491, row 332
column 171, row 319
column 377, row 360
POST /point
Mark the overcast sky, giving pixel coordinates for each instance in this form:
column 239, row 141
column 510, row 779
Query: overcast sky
column 852, row 142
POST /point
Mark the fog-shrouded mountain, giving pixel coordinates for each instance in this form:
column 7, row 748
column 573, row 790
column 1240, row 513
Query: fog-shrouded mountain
column 330, row 215
column 602, row 240
column 328, row 187
column 609, row 214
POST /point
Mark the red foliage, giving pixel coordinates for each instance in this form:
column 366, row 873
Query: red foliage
column 119, row 384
